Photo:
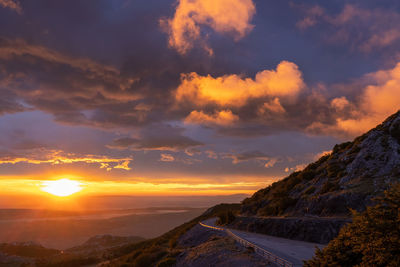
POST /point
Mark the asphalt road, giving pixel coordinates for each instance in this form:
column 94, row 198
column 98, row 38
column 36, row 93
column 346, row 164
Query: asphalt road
column 291, row 250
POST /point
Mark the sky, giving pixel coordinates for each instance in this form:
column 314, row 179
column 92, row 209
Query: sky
column 187, row 97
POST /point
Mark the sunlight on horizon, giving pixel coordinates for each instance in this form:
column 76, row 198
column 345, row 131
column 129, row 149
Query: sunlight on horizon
column 62, row 188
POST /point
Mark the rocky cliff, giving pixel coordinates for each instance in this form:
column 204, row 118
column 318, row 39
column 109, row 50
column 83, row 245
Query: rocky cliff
column 347, row 178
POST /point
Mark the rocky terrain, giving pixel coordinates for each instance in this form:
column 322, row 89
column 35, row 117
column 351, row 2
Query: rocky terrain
column 205, row 247
column 315, row 230
column 347, row 178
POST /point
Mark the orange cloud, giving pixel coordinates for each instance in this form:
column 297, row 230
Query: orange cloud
column 296, row 168
column 271, row 163
column 123, row 165
column 12, row 4
column 379, row 99
column 167, row 158
column 273, row 106
column 322, row 154
column 55, row 157
column 340, row 103
column 234, row 91
column 223, row 16
column 223, row 118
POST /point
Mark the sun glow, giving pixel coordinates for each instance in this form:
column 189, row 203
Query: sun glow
column 62, row 187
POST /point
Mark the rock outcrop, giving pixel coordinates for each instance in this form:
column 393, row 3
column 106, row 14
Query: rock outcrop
column 347, row 178
column 315, row 230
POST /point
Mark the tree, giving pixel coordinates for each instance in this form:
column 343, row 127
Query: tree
column 372, row 239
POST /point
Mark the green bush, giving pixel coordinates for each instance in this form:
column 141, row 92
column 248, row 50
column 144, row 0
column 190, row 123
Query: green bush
column 372, row 239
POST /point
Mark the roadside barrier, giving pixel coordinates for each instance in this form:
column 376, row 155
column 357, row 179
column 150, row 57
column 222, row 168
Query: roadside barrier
column 260, row 251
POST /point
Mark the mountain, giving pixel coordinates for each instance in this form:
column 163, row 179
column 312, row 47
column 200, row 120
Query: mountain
column 347, row 178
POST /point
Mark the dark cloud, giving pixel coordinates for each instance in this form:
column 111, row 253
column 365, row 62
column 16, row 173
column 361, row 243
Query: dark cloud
column 12, row 4
column 28, row 144
column 123, row 143
column 7, row 105
column 157, row 137
column 361, row 28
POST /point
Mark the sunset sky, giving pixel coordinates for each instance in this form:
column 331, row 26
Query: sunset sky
column 187, row 97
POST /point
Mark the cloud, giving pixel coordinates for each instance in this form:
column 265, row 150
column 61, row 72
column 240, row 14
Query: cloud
column 55, row 157
column 157, row 137
column 12, row 4
column 123, row 143
column 340, row 103
column 211, row 154
column 362, row 29
column 75, row 90
column 167, row 158
column 223, row 16
column 296, row 168
column 252, row 155
column 271, row 163
column 272, row 106
column 124, row 165
column 28, row 144
column 223, row 118
column 322, row 154
column 235, row 91
column 192, row 151
column 312, row 17
column 9, row 105
column 379, row 98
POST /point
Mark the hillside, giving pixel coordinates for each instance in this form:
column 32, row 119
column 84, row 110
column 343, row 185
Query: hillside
column 347, row 178
column 94, row 250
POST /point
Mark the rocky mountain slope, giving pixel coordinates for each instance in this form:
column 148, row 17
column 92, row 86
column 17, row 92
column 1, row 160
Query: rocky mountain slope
column 190, row 245
column 347, row 178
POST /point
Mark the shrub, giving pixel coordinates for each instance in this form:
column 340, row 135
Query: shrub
column 372, row 239
column 309, row 190
column 226, row 217
column 307, row 175
column 167, row 262
column 341, row 147
column 328, row 187
column 333, row 169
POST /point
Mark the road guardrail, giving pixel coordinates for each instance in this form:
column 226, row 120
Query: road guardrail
column 260, row 251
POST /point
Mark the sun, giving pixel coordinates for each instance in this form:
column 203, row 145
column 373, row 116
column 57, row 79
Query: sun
column 62, row 187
